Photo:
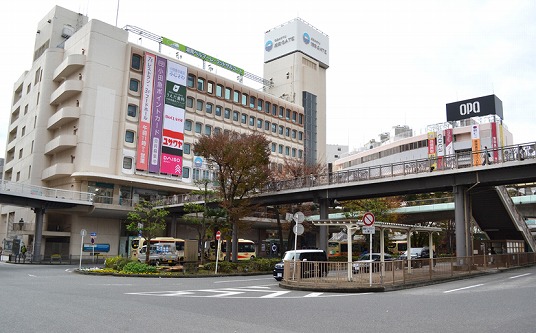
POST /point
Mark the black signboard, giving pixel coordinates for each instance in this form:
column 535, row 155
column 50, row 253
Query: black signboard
column 475, row 107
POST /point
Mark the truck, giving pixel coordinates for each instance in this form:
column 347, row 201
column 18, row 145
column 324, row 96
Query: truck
column 160, row 253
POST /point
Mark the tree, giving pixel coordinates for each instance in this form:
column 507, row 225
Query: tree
column 242, row 163
column 148, row 221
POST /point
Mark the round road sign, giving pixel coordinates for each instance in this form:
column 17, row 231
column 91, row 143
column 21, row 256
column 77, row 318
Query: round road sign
column 218, row 235
column 298, row 229
column 368, row 219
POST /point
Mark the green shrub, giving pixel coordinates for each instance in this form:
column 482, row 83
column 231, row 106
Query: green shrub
column 263, row 264
column 117, row 263
column 138, row 268
column 223, row 267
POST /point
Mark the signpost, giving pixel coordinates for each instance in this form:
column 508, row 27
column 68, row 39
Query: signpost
column 368, row 221
column 83, row 232
column 218, row 238
column 298, row 230
column 93, row 235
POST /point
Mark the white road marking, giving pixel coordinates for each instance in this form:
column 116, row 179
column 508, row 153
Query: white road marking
column 32, row 275
column 452, row 290
column 313, row 295
column 518, row 276
column 246, row 280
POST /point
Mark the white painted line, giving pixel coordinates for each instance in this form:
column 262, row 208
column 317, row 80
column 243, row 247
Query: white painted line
column 275, row 294
column 476, row 285
column 313, row 295
column 518, row 276
column 32, row 275
column 228, row 281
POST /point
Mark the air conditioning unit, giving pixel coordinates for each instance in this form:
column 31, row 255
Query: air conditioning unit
column 67, row 31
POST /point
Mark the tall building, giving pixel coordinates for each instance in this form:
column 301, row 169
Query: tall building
column 100, row 114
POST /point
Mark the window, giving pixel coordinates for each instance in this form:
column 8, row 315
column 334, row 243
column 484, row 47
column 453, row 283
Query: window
column 134, row 85
column 227, row 93
column 208, row 108
column 244, row 118
column 267, row 107
column 135, row 62
column 287, row 132
column 187, row 125
column 274, row 110
column 252, row 102
column 294, row 134
column 236, row 115
column 266, row 125
column 217, row 130
column 23, row 131
column 129, row 136
column 287, row 150
column 127, row 163
column 195, row 174
column 199, row 105
column 132, row 110
column 200, row 84
column 294, row 152
column 294, row 116
column 219, row 90
column 26, row 109
column 190, row 80
column 300, row 117
column 274, row 128
column 281, row 129
column 281, row 112
column 20, row 153
column 189, row 102
column 300, row 153
column 185, row 172
column 236, row 96
column 274, row 147
column 251, row 121
column 288, row 114
column 260, row 104
column 208, row 130
column 300, row 135
column 218, row 110
column 280, row 149
column 198, row 127
column 259, row 123
column 244, row 99
column 227, row 114
column 186, row 148
column 210, row 87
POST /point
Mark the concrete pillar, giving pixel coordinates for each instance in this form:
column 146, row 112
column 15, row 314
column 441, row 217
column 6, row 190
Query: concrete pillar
column 460, row 199
column 38, row 234
column 323, row 232
column 173, row 226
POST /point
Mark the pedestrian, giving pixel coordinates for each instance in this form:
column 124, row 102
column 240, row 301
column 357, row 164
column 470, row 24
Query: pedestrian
column 23, row 251
column 487, row 156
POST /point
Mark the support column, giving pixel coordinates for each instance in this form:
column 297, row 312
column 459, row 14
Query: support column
column 38, row 234
column 173, row 226
column 460, row 199
column 323, row 233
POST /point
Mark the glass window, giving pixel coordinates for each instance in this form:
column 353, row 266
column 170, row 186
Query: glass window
column 287, row 150
column 281, row 129
column 134, row 85
column 127, row 163
column 135, row 62
column 190, row 80
column 186, row 148
column 198, row 127
column 199, row 105
column 208, row 130
column 217, row 130
column 132, row 110
column 185, row 172
column 129, row 136
column 287, row 131
column 288, row 114
column 189, row 102
column 294, row 116
column 274, row 147
column 274, row 128
column 294, row 133
column 300, row 153
column 210, row 87
column 236, row 96
column 293, row 152
column 266, row 125
column 251, row 121
column 259, row 123
column 236, row 115
column 244, row 99
column 281, row 112
column 274, row 110
column 227, row 114
column 187, row 125
column 300, row 135
column 300, row 117
column 195, row 174
column 252, row 102
column 219, row 90
column 218, row 110
column 260, row 104
column 244, row 118
column 209, row 108
column 200, row 84
column 227, row 93
column 280, row 149
column 267, row 107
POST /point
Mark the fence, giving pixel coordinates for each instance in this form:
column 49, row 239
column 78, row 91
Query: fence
column 334, row 275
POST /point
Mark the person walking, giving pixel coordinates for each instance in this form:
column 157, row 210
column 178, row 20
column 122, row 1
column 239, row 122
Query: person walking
column 486, row 156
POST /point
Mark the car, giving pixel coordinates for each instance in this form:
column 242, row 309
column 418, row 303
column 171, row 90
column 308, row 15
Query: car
column 160, row 254
column 366, row 260
column 419, row 254
column 307, row 269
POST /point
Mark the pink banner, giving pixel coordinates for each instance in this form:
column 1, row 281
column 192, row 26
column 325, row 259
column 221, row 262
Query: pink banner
column 144, row 129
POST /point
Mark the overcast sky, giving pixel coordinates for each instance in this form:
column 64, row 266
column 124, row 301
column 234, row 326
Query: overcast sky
column 391, row 62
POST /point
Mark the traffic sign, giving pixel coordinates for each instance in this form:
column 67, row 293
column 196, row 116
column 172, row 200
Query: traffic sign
column 368, row 219
column 218, row 235
column 298, row 229
column 93, row 234
column 83, row 232
column 368, row 230
column 299, row 217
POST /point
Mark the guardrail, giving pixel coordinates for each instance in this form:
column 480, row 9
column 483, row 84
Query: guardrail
column 45, row 192
column 334, row 275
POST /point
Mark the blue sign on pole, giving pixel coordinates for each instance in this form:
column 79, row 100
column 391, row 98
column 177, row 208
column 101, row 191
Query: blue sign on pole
column 93, row 234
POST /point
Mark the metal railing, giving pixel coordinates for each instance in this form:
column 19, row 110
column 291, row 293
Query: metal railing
column 45, row 192
column 459, row 160
column 397, row 272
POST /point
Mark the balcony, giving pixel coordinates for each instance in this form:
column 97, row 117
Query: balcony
column 57, row 171
column 63, row 116
column 60, row 143
column 66, row 90
column 72, row 64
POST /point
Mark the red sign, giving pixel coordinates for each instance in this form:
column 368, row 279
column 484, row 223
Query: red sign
column 368, row 219
column 218, row 235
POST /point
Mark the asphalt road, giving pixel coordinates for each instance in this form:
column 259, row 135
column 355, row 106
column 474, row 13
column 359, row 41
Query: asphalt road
column 55, row 299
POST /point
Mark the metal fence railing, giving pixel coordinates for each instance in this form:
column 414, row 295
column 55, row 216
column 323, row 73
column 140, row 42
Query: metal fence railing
column 397, row 272
column 45, row 192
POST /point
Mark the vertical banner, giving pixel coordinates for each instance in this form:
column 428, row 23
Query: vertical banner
column 440, row 149
column 494, row 143
column 475, row 143
column 173, row 127
column 432, row 152
column 449, row 147
column 158, row 114
column 142, row 158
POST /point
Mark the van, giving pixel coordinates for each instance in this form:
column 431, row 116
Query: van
column 307, row 269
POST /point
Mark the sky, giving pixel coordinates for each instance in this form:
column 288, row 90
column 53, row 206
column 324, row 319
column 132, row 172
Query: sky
column 391, row 62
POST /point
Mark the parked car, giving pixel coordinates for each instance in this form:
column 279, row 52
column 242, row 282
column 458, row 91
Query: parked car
column 366, row 260
column 420, row 255
column 161, row 253
column 310, row 265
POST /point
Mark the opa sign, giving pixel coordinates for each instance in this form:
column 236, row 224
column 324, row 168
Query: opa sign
column 476, row 107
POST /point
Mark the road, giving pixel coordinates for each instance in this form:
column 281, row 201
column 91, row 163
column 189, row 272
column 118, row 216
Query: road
column 55, row 299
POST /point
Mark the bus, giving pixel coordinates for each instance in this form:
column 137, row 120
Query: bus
column 340, row 248
column 137, row 243
column 397, row 247
column 246, row 250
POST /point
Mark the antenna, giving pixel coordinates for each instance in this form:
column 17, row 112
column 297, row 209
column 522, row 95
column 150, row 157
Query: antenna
column 117, row 13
